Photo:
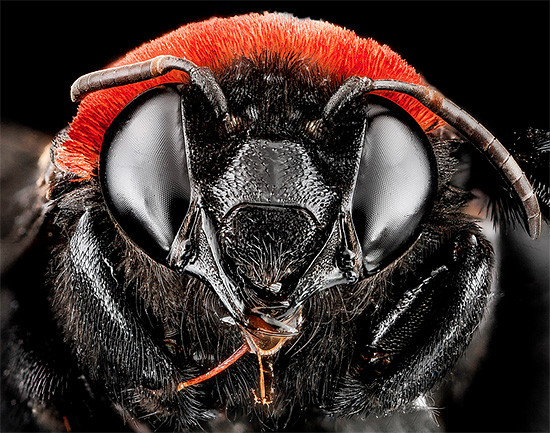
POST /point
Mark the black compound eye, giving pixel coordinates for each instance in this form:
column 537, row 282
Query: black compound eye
column 143, row 170
column 396, row 183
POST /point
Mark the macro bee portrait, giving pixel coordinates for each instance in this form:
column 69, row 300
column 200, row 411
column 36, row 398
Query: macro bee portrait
column 261, row 222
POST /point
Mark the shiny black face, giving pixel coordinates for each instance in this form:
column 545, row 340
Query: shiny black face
column 284, row 216
column 287, row 204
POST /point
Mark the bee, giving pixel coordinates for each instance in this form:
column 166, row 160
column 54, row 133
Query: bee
column 257, row 218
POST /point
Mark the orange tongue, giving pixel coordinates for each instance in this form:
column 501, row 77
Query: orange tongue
column 264, row 340
column 217, row 369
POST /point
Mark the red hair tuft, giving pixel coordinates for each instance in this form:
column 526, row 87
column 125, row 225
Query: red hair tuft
column 215, row 43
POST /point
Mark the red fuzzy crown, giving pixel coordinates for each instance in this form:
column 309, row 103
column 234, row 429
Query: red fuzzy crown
column 214, row 43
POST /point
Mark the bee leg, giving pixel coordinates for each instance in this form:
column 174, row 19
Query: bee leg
column 421, row 337
column 42, row 387
column 112, row 346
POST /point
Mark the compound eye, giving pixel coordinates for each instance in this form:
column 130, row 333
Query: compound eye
column 396, row 183
column 143, row 170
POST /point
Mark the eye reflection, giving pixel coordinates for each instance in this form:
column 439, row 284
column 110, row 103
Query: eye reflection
column 143, row 170
column 395, row 184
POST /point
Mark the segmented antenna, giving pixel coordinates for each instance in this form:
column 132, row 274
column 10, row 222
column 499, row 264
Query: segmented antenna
column 147, row 70
column 455, row 116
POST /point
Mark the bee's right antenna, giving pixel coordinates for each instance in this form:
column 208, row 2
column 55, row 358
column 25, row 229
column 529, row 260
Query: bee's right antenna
column 455, row 116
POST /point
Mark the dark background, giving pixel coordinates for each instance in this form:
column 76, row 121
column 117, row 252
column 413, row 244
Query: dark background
column 491, row 58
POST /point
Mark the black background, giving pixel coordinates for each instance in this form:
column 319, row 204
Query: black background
column 491, row 58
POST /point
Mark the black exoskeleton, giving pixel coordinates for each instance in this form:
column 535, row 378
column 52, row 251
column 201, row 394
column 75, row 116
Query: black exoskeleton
column 336, row 248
